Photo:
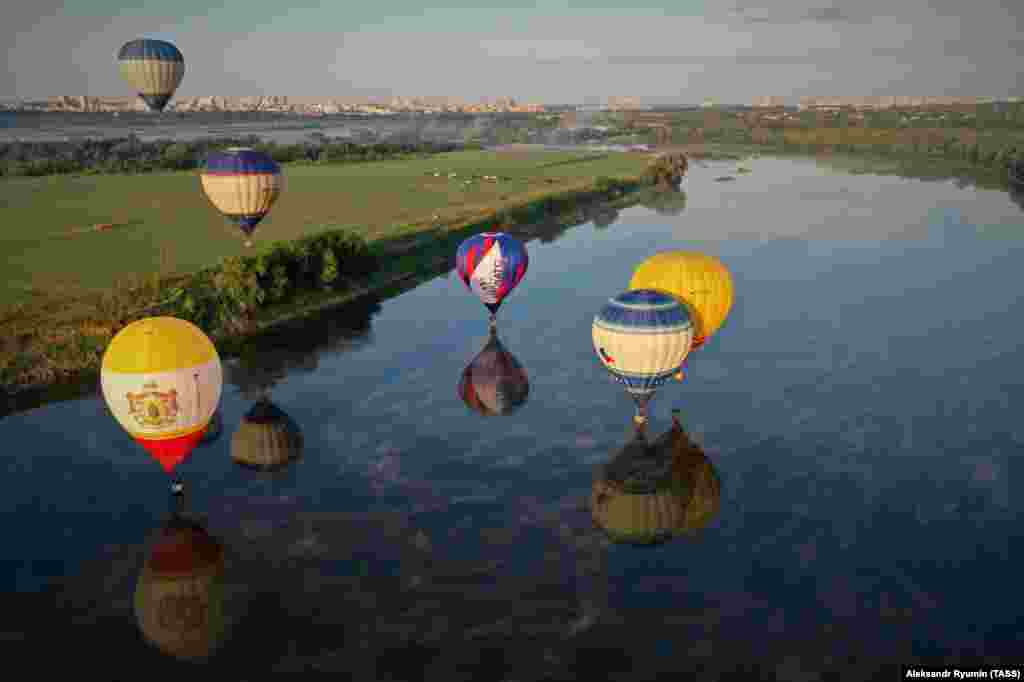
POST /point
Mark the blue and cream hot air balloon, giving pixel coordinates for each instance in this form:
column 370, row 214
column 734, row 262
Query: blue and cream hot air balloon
column 491, row 265
column 154, row 69
column 242, row 184
column 642, row 337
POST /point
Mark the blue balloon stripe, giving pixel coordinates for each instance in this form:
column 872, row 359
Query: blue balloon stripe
column 249, row 162
column 150, row 49
column 641, row 331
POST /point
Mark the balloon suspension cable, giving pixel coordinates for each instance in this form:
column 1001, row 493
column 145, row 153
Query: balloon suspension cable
column 493, row 322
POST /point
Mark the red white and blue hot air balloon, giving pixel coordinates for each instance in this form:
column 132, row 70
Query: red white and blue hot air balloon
column 242, row 184
column 491, row 265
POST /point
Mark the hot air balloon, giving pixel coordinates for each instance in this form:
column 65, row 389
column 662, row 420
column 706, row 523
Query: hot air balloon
column 642, row 337
column 491, row 265
column 161, row 378
column 701, row 281
column 494, row 383
column 242, row 184
column 179, row 603
column 266, row 439
column 153, row 68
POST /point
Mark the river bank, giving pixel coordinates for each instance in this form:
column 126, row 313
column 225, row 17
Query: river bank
column 61, row 362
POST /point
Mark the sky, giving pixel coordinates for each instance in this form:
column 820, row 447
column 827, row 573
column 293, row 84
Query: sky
column 558, row 51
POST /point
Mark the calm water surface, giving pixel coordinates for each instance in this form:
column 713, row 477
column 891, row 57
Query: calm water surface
column 860, row 407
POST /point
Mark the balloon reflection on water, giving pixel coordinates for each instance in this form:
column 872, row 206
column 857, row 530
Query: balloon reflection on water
column 179, row 601
column 267, row 439
column 494, row 383
column 650, row 493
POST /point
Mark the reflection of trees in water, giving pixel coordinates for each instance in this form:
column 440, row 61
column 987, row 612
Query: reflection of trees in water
column 666, row 202
column 1017, row 195
column 605, row 216
column 549, row 228
column 296, row 347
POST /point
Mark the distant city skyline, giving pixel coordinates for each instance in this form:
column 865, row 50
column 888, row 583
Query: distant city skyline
column 571, row 51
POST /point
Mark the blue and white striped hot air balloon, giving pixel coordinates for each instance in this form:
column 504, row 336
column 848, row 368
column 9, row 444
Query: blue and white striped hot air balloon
column 154, row 69
column 242, row 184
column 642, row 337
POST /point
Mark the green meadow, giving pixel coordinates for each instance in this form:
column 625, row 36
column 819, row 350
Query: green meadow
column 66, row 235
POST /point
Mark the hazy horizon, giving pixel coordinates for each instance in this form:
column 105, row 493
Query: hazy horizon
column 569, row 52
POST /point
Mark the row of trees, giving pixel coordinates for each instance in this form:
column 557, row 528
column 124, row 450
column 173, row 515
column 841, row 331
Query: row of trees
column 987, row 151
column 132, row 155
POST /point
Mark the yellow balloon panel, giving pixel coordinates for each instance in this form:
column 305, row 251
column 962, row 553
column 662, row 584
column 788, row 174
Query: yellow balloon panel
column 701, row 281
column 647, row 353
column 161, row 405
column 158, row 344
column 250, row 194
column 152, row 76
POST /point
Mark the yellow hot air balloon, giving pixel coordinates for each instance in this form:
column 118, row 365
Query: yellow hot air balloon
column 179, row 596
column 162, row 379
column 699, row 280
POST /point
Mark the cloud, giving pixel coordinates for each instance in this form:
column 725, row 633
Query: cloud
column 794, row 12
column 710, row 60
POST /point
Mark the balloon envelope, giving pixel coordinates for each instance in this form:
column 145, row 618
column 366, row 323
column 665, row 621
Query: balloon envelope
column 243, row 184
column 161, row 378
column 641, row 338
column 491, row 265
column 153, row 68
column 701, row 281
column 494, row 383
column 179, row 595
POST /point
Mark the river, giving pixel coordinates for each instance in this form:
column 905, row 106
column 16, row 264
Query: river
column 860, row 408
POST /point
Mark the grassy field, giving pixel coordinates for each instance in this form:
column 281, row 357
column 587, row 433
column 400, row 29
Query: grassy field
column 163, row 222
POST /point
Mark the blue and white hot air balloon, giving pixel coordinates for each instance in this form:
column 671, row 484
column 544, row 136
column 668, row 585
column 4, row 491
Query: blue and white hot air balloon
column 242, row 184
column 642, row 337
column 153, row 68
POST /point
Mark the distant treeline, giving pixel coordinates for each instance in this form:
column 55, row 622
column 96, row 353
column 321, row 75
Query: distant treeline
column 132, row 155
